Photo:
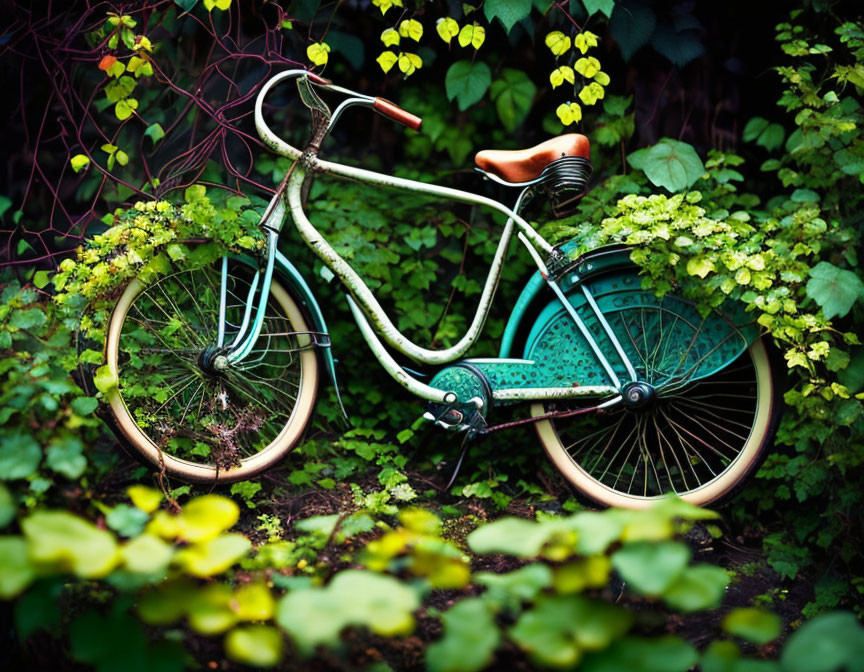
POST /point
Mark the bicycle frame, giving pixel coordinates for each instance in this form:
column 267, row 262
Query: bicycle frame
column 370, row 316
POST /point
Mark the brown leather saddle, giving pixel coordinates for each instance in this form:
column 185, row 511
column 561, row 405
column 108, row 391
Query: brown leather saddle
column 524, row 165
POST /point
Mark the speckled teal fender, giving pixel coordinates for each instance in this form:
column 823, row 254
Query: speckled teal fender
column 608, row 271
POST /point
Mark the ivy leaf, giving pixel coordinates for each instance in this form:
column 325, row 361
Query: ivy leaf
column 467, row 82
column 508, row 12
column 558, row 43
column 754, row 625
column 20, row 455
column 830, row 642
column 64, row 455
column 390, row 37
column 62, row 540
column 255, row 645
column 699, row 587
column 16, row 570
column 632, row 25
column 594, row 6
column 387, row 59
column 447, row 28
column 670, row 163
column 650, row 568
column 79, row 162
column 124, row 108
column 126, row 520
column 317, row 615
column 470, row 638
column 835, row 289
column 318, row 53
column 513, row 94
column 472, row 34
column 154, row 132
column 410, row 28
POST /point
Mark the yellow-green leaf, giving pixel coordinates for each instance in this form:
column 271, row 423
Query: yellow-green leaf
column 587, row 67
column 122, row 157
column 411, row 28
column 318, row 53
column 205, row 517
column 254, row 602
column 585, row 40
column 16, row 570
column 213, row 556
column 124, row 108
column 384, row 5
column 146, row 499
column 447, row 29
column 474, row 35
column 66, row 542
column 569, row 113
column 602, row 78
column 387, row 59
column 408, row 63
column 559, row 75
column 558, row 42
column 218, row 4
column 390, row 37
column 79, row 162
column 591, row 93
column 146, row 554
column 255, row 645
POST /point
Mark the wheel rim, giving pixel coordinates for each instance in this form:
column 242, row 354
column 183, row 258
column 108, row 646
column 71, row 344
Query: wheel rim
column 696, row 440
column 196, row 422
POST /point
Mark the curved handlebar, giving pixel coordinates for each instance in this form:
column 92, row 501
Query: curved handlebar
column 396, row 113
column 385, row 107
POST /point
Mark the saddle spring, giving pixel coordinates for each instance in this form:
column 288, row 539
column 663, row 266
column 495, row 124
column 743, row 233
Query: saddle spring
column 564, row 181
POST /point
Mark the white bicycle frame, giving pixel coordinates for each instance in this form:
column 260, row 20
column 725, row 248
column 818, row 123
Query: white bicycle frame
column 372, row 319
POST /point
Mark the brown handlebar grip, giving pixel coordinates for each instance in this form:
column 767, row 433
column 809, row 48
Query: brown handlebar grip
column 396, row 113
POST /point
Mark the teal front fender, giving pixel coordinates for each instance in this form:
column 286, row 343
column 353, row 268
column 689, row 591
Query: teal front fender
column 301, row 291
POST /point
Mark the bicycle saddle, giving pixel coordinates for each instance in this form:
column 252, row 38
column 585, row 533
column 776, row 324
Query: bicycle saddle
column 524, row 165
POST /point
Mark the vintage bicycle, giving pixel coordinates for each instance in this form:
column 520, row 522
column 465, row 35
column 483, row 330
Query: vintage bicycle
column 633, row 396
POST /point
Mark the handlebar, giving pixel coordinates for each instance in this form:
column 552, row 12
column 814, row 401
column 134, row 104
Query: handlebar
column 396, row 113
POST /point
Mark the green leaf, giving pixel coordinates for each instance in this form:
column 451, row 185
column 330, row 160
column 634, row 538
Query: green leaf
column 513, row 94
column 651, row 568
column 594, row 6
column 835, row 289
column 772, row 137
column 195, row 193
column 255, row 645
column 470, row 638
column 631, row 26
column 317, row 615
column 513, row 588
column 8, row 508
column 124, row 108
column 213, row 556
column 41, row 279
column 127, row 520
column 637, row 654
column 20, row 455
column 16, row 570
column 670, row 163
column 467, row 82
column 104, row 380
column 69, row 543
column 830, row 642
column 27, row 319
column 558, row 629
column 65, row 456
column 679, row 46
column 514, row 536
column 146, row 554
column 84, row 405
column 79, row 161
column 699, row 587
column 853, row 375
column 754, row 128
column 508, row 12
column 754, row 625
column 186, row 5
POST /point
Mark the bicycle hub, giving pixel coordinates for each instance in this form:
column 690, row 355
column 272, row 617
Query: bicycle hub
column 637, row 395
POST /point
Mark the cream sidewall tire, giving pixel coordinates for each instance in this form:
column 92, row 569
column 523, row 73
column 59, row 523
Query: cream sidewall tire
column 204, row 473
column 707, row 493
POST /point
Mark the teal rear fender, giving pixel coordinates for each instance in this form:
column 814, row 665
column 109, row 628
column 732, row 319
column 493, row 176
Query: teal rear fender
column 292, row 277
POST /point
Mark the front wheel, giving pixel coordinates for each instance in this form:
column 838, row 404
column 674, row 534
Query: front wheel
column 699, row 442
column 179, row 413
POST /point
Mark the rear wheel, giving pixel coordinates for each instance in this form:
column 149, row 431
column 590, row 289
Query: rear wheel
column 178, row 411
column 697, row 439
